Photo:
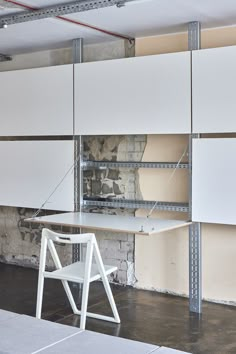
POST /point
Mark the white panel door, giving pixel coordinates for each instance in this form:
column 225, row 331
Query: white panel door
column 142, row 95
column 214, row 95
column 214, row 181
column 37, row 101
column 31, row 170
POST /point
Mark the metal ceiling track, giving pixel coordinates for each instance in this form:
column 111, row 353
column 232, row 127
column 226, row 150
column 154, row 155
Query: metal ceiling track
column 59, row 10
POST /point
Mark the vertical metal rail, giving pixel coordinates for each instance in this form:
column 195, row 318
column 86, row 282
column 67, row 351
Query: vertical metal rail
column 77, row 52
column 129, row 48
column 195, row 254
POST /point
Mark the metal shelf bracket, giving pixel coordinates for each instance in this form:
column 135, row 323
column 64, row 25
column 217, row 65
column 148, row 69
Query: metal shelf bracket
column 131, row 164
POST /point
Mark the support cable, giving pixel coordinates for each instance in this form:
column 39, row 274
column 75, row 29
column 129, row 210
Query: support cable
column 57, row 186
column 169, row 179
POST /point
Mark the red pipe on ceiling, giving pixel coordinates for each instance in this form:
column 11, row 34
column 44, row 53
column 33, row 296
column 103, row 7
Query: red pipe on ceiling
column 71, row 21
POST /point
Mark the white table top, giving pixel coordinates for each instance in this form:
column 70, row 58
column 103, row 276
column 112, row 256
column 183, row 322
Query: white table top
column 115, row 223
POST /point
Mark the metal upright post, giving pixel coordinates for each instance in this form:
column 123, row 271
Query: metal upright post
column 78, row 154
column 129, row 48
column 195, row 257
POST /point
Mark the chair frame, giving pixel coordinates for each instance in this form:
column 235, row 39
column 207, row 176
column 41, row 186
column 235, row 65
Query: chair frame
column 48, row 239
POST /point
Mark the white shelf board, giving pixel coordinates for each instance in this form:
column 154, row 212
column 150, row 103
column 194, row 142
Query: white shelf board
column 126, row 224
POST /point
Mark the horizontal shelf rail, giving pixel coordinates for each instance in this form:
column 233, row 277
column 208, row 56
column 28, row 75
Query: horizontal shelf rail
column 132, row 164
column 137, row 204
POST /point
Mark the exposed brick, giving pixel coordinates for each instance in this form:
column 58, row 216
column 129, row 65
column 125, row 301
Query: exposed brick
column 113, row 174
column 130, row 238
column 122, row 276
column 116, row 236
column 141, row 138
column 100, row 174
column 96, row 187
column 127, row 246
column 112, row 262
column 88, row 173
column 106, row 189
column 117, row 188
column 123, row 265
column 130, row 256
column 109, row 244
column 121, row 254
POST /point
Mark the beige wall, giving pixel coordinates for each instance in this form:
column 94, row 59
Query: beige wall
column 162, row 260
column 43, row 58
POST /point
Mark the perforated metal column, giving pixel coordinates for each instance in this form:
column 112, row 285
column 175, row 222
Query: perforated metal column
column 195, row 254
column 195, row 268
column 78, row 155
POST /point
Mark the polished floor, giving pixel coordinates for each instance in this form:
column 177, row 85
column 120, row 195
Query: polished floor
column 145, row 316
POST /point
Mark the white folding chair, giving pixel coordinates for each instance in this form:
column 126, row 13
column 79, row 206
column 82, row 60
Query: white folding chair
column 78, row 272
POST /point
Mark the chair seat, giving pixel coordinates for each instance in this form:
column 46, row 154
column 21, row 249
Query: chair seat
column 75, row 272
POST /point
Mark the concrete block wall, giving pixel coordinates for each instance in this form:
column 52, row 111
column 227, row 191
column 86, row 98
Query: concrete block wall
column 116, row 248
column 113, row 182
column 20, row 241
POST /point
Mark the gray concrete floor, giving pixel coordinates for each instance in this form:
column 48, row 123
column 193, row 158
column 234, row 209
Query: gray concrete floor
column 145, row 316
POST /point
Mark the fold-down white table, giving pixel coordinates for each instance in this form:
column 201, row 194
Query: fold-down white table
column 115, row 223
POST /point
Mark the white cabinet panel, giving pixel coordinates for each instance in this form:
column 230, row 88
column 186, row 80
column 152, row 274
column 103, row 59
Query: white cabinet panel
column 214, row 181
column 31, row 170
column 142, row 95
column 214, row 95
column 37, row 101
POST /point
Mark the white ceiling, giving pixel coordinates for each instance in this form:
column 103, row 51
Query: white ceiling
column 150, row 17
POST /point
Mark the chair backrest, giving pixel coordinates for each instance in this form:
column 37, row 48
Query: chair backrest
column 49, row 237
column 68, row 238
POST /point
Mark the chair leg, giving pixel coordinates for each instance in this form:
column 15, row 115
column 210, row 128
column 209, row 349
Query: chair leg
column 85, row 293
column 84, row 304
column 70, row 296
column 106, row 283
column 39, row 296
column 42, row 262
column 111, row 298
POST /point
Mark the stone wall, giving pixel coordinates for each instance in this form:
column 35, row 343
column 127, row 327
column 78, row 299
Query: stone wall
column 116, row 248
column 113, row 182
column 20, row 241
